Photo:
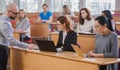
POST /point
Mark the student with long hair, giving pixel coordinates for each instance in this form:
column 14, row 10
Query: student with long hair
column 23, row 25
column 108, row 15
column 66, row 35
column 106, row 45
column 69, row 14
column 85, row 21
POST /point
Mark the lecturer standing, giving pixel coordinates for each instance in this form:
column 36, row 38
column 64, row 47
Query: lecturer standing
column 6, row 34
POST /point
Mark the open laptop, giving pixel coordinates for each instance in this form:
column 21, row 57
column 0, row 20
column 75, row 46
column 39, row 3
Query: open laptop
column 78, row 50
column 45, row 45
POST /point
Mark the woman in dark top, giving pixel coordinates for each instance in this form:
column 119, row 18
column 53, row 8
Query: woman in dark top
column 106, row 45
column 108, row 15
column 66, row 35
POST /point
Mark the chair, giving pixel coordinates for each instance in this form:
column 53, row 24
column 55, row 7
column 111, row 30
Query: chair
column 39, row 31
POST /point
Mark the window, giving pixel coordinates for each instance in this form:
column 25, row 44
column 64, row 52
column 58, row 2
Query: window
column 31, row 5
column 72, row 4
column 3, row 4
column 96, row 6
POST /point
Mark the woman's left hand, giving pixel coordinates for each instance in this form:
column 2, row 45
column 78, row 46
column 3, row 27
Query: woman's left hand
column 91, row 53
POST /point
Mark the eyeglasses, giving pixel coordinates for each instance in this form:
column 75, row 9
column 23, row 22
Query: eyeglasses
column 99, row 26
column 14, row 12
column 59, row 24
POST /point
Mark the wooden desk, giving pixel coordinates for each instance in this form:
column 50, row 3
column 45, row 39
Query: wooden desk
column 118, row 25
column 21, row 59
column 16, row 35
column 86, row 42
column 54, row 36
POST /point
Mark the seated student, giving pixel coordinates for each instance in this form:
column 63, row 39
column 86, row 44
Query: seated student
column 85, row 21
column 106, row 44
column 69, row 14
column 108, row 15
column 66, row 35
column 45, row 16
column 22, row 25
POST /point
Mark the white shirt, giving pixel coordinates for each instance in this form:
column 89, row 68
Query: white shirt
column 64, row 36
column 86, row 27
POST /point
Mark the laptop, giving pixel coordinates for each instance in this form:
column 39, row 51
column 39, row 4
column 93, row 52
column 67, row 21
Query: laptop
column 78, row 50
column 45, row 45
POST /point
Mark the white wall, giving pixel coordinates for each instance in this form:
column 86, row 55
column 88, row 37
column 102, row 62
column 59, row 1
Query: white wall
column 49, row 3
column 117, row 5
column 82, row 3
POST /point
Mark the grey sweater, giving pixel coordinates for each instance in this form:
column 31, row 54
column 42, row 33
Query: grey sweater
column 107, row 45
column 24, row 24
column 6, row 33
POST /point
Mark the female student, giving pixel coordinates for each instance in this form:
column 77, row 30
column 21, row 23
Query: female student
column 66, row 11
column 85, row 21
column 106, row 44
column 108, row 15
column 45, row 16
column 23, row 25
column 70, row 15
column 66, row 35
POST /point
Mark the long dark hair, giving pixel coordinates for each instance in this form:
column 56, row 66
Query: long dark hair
column 64, row 20
column 81, row 20
column 102, row 21
column 108, row 14
column 109, row 17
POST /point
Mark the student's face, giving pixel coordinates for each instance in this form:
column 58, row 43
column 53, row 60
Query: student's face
column 22, row 14
column 65, row 9
column 45, row 8
column 103, row 14
column 99, row 28
column 84, row 14
column 60, row 26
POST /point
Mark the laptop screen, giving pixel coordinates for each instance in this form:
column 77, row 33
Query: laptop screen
column 45, row 45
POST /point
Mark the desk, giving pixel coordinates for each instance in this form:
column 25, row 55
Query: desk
column 16, row 35
column 118, row 25
column 86, row 42
column 21, row 59
column 54, row 36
